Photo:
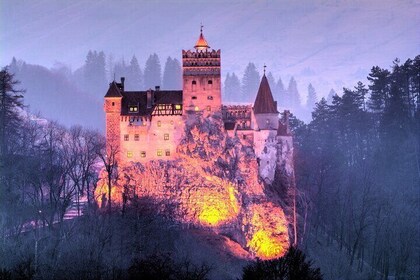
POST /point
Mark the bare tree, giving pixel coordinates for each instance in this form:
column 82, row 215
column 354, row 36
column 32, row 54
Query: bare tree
column 109, row 157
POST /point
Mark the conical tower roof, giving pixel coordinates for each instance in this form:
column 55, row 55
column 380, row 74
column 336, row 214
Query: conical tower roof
column 113, row 90
column 264, row 103
column 201, row 42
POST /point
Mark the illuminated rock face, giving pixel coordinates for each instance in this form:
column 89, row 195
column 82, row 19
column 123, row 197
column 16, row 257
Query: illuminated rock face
column 214, row 183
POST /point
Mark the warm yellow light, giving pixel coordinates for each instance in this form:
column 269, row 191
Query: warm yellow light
column 265, row 245
column 196, row 108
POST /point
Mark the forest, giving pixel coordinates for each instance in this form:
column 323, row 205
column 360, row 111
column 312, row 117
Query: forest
column 357, row 165
column 78, row 93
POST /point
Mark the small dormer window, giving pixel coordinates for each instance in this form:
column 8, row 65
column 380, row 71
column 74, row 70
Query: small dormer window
column 133, row 108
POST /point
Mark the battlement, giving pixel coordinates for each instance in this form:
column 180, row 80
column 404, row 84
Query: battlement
column 200, row 54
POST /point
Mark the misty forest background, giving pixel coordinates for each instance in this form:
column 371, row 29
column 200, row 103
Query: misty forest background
column 78, row 95
column 357, row 164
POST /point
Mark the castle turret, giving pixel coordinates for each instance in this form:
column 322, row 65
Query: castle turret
column 112, row 109
column 265, row 108
column 201, row 78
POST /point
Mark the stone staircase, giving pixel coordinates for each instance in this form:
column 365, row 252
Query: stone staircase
column 72, row 211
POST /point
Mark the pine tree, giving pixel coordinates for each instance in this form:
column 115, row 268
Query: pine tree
column 94, row 72
column 280, row 93
column 172, row 74
column 134, row 75
column 271, row 81
column 11, row 100
column 311, row 98
column 232, row 88
column 250, row 83
column 379, row 87
column 330, row 96
column 291, row 266
column 293, row 96
column 152, row 72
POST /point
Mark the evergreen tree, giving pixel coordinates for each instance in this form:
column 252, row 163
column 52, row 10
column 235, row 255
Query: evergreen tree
column 311, row 98
column 250, row 83
column 280, row 93
column 292, row 266
column 232, row 88
column 271, row 82
column 94, row 72
column 379, row 87
column 330, row 96
column 152, row 72
column 11, row 100
column 172, row 74
column 134, row 79
column 121, row 69
column 227, row 95
column 293, row 96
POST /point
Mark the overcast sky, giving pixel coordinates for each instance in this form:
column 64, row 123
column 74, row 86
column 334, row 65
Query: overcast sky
column 329, row 43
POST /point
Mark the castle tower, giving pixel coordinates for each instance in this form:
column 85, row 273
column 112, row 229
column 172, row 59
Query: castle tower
column 112, row 109
column 265, row 108
column 201, row 78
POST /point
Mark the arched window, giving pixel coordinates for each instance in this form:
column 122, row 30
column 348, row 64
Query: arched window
column 194, row 85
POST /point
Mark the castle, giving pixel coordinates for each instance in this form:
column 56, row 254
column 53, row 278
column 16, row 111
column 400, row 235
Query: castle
column 148, row 125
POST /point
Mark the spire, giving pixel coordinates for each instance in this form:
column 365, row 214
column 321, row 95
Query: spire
column 201, row 42
column 264, row 103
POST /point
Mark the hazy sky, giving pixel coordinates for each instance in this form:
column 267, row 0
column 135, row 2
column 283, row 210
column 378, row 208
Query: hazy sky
column 329, row 43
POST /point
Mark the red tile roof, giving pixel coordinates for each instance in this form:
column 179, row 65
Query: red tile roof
column 264, row 103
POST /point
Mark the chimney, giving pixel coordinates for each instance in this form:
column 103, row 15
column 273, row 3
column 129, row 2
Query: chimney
column 122, row 83
column 157, row 88
column 149, row 98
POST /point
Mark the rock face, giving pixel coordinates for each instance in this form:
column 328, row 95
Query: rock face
column 215, row 184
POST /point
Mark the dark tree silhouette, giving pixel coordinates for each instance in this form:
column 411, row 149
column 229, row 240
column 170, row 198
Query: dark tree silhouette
column 152, row 72
column 232, row 88
column 250, row 83
column 292, row 266
column 172, row 75
column 11, row 100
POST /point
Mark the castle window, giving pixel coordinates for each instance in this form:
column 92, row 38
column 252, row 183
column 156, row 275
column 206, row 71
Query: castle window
column 159, row 123
column 208, row 108
column 136, row 137
column 133, row 109
column 143, row 154
column 113, row 103
column 167, row 153
column 193, row 85
column 166, row 136
column 126, row 137
column 178, row 107
column 129, row 154
column 209, row 97
column 194, row 82
column 194, row 97
column 159, row 153
column 210, row 82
